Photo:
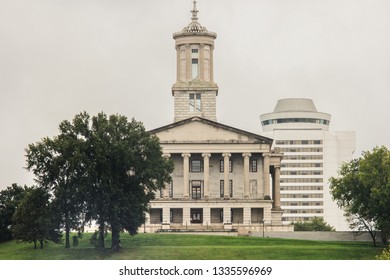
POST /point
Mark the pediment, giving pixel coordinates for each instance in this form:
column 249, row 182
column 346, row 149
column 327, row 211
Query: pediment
column 200, row 130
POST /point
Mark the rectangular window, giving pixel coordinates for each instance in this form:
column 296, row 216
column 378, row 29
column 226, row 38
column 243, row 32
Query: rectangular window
column 253, row 167
column 196, row 189
column 196, row 166
column 195, row 102
column 195, row 63
column 231, row 188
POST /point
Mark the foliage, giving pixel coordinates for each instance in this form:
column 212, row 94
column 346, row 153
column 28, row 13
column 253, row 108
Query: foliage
column 9, row 201
column 33, row 221
column 104, row 169
column 315, row 224
column 58, row 166
column 125, row 169
column 385, row 255
column 363, row 190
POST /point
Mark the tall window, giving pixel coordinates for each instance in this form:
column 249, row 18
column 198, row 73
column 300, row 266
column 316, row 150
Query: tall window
column 195, row 63
column 253, row 167
column 171, row 189
column 196, row 189
column 195, row 102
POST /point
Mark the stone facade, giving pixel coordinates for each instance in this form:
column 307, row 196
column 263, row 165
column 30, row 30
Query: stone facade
column 224, row 179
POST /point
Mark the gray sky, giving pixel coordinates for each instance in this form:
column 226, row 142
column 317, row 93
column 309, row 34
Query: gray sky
column 58, row 58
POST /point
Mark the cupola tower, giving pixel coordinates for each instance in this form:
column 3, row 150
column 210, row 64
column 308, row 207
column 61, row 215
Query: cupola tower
column 195, row 91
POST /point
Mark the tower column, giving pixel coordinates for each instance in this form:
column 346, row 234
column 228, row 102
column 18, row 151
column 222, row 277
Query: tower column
column 201, row 62
column 188, row 62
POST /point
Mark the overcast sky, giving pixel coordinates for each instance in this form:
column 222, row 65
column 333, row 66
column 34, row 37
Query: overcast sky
column 62, row 57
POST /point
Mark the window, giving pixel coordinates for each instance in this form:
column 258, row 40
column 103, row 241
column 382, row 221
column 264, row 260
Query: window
column 196, row 189
column 195, row 102
column 231, row 188
column 222, row 166
column 253, row 167
column 195, row 63
column 196, row 166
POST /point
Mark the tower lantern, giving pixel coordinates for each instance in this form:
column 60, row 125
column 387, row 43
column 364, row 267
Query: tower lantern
column 195, row 91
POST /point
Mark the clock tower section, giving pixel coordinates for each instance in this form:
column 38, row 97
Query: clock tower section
column 195, row 91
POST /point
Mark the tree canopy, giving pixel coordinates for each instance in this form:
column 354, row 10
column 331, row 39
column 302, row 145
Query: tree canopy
column 101, row 168
column 363, row 190
column 9, row 201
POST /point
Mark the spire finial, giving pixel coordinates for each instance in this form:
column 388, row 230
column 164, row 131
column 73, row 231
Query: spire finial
column 194, row 12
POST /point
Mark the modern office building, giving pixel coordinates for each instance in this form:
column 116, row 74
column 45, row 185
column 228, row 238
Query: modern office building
column 312, row 154
column 224, row 178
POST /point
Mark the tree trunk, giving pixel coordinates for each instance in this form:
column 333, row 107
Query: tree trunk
column 67, row 237
column 35, row 244
column 41, row 242
column 115, row 245
column 67, row 231
column 101, row 235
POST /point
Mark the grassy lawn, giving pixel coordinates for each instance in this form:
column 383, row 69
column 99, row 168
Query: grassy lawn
column 195, row 247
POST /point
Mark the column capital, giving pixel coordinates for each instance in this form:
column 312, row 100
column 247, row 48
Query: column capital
column 266, row 154
column 226, row 155
column 166, row 155
column 184, row 155
column 246, row 154
column 206, row 155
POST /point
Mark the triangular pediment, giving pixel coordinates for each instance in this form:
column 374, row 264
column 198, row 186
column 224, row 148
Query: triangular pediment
column 200, row 130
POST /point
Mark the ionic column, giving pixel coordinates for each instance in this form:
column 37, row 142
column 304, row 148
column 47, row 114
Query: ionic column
column 267, row 191
column 206, row 174
column 212, row 63
column 186, row 171
column 166, row 189
column 178, row 70
column 276, row 188
column 201, row 62
column 188, row 62
column 226, row 157
column 246, row 174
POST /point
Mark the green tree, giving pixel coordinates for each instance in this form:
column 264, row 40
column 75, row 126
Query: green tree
column 125, row 169
column 385, row 255
column 9, row 201
column 59, row 165
column 363, row 190
column 33, row 221
column 315, row 224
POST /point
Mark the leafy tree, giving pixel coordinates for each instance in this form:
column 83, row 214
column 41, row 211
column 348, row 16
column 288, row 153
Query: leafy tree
column 9, row 201
column 125, row 168
column 315, row 224
column 58, row 164
column 33, row 221
column 363, row 190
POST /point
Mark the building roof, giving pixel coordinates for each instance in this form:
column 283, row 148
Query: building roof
column 295, row 105
column 258, row 138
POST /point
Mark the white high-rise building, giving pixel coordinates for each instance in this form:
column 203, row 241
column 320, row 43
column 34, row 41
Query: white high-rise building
column 312, row 154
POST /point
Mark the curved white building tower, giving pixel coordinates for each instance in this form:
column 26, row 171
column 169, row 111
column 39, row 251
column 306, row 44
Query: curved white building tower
column 312, row 154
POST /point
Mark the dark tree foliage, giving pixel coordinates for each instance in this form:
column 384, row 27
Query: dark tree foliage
column 125, row 169
column 315, row 224
column 33, row 220
column 363, row 190
column 104, row 169
column 9, row 201
column 59, row 166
